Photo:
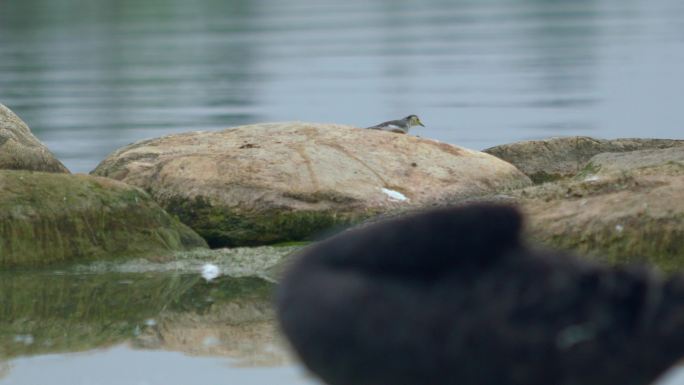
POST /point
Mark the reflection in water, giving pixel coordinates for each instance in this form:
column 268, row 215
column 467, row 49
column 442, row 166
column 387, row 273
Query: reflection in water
column 227, row 317
column 46, row 312
column 43, row 313
column 89, row 78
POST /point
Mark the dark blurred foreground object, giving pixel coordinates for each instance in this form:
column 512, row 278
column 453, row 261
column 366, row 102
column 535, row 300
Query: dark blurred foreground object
column 451, row 296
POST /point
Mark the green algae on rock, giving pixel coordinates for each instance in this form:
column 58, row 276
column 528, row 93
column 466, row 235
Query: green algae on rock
column 50, row 218
column 20, row 150
column 623, row 208
column 230, row 227
column 556, row 158
column 270, row 183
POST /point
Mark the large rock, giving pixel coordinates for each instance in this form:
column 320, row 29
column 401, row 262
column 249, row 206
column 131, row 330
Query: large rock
column 20, row 150
column 556, row 158
column 48, row 218
column 626, row 207
column 267, row 183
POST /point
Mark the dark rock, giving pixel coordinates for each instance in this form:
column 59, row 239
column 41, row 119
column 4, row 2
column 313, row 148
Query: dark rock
column 452, row 297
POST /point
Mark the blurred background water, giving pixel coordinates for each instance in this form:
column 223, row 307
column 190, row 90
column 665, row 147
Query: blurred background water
column 92, row 75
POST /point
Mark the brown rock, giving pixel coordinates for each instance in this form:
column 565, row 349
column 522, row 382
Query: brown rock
column 267, row 183
column 556, row 158
column 20, row 150
column 625, row 207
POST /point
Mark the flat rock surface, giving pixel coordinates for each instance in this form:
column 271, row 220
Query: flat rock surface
column 266, row 183
column 556, row 158
column 50, row 218
column 20, row 150
column 623, row 207
column 635, row 161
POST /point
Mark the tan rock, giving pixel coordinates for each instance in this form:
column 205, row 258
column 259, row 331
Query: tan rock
column 556, row 158
column 266, row 183
column 640, row 162
column 623, row 207
column 20, row 150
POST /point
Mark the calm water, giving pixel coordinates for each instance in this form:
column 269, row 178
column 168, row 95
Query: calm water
column 154, row 327
column 91, row 76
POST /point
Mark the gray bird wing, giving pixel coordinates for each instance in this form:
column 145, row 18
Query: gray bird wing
column 397, row 126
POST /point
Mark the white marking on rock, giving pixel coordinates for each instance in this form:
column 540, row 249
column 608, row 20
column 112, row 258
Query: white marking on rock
column 210, row 271
column 592, row 178
column 394, row 195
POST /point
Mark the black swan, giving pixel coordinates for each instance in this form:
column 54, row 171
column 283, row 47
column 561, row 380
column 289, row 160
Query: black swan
column 452, row 296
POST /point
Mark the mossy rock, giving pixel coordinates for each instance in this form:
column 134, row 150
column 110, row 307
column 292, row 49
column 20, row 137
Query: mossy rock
column 225, row 227
column 622, row 208
column 553, row 159
column 48, row 218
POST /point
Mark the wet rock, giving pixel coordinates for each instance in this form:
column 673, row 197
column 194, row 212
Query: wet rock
column 20, row 150
column 49, row 218
column 622, row 208
column 269, row 183
column 463, row 301
column 556, row 158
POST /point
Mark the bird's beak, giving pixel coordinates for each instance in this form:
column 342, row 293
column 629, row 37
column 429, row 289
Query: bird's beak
column 421, row 123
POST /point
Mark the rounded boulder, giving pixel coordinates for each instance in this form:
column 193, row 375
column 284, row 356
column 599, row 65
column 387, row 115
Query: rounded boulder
column 268, row 183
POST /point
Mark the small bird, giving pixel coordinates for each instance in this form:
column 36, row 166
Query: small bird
column 400, row 126
column 454, row 296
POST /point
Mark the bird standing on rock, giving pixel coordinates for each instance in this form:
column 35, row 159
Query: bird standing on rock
column 453, row 297
column 400, row 126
